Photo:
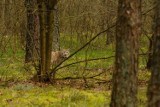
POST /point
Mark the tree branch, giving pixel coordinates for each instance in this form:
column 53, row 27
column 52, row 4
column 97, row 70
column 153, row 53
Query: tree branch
column 53, row 70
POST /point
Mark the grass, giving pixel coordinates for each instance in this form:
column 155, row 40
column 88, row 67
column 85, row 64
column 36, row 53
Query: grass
column 33, row 96
column 30, row 95
column 27, row 94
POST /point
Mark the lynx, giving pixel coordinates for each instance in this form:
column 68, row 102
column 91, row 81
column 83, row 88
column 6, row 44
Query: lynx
column 58, row 56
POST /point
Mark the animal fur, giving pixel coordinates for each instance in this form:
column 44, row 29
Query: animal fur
column 58, row 56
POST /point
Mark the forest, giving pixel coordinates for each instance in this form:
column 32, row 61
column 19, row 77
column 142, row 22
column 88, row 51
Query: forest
column 79, row 53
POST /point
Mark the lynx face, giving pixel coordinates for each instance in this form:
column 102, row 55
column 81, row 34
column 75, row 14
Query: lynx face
column 58, row 56
column 65, row 53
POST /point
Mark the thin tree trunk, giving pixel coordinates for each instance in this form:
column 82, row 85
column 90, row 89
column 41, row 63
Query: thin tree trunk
column 41, row 6
column 56, row 34
column 7, row 16
column 30, row 30
column 49, row 33
column 154, row 83
column 46, row 20
column 128, row 30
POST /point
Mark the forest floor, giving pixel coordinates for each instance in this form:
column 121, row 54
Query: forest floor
column 34, row 94
column 18, row 90
column 31, row 94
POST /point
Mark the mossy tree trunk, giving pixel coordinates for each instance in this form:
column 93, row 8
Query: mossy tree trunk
column 128, row 31
column 154, row 83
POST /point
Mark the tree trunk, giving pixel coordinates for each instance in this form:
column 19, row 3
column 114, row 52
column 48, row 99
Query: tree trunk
column 150, row 53
column 46, row 20
column 128, row 31
column 56, row 34
column 154, row 83
column 43, row 75
column 50, row 31
column 30, row 30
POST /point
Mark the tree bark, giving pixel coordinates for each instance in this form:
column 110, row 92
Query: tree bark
column 56, row 34
column 42, row 73
column 154, row 83
column 46, row 20
column 150, row 53
column 128, row 31
column 29, row 4
column 50, row 31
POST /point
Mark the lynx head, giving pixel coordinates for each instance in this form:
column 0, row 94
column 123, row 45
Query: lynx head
column 65, row 53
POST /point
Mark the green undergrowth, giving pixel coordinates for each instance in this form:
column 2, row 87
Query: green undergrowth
column 33, row 96
column 16, row 93
column 30, row 95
